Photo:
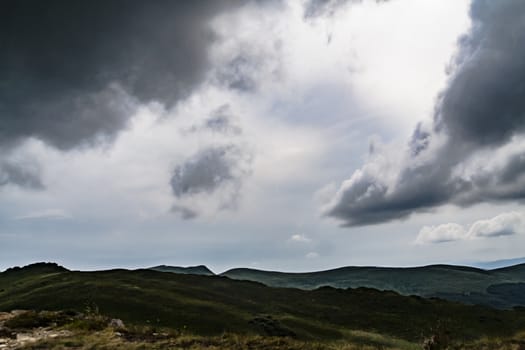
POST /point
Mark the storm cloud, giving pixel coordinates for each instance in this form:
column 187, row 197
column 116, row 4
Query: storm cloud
column 67, row 68
column 484, row 103
column 479, row 114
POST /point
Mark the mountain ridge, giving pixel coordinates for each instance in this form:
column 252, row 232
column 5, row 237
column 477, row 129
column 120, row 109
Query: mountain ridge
column 192, row 270
column 452, row 282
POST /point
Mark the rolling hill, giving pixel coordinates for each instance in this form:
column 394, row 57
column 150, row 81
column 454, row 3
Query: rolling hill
column 458, row 283
column 212, row 305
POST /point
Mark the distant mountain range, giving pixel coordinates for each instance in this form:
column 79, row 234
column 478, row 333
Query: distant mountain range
column 496, row 264
column 190, row 270
column 501, row 288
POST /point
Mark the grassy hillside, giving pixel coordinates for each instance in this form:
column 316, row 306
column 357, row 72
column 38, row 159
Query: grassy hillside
column 212, row 305
column 465, row 284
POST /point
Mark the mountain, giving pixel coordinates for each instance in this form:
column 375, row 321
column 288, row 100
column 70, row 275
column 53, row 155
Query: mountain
column 496, row 264
column 458, row 283
column 212, row 305
column 190, row 270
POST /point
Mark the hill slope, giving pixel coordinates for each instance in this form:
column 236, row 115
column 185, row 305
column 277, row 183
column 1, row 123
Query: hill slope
column 459, row 283
column 213, row 305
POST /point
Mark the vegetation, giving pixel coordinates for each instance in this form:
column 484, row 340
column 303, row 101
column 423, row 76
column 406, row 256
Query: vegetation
column 67, row 335
column 215, row 312
column 501, row 288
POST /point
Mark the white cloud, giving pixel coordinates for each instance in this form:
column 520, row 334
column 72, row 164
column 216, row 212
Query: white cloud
column 505, row 224
column 47, row 214
column 502, row 225
column 441, row 233
column 299, row 238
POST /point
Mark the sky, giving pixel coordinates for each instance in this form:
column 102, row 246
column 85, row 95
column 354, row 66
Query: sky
column 283, row 135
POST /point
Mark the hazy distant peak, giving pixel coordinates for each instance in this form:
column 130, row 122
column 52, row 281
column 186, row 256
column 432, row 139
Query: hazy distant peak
column 189, row 270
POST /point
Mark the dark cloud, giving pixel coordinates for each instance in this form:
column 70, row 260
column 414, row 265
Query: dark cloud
column 513, row 170
column 482, row 109
column 23, row 175
column 204, row 172
column 484, row 103
column 210, row 170
column 67, row 66
column 366, row 200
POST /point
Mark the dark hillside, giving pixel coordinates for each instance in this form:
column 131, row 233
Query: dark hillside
column 458, row 283
column 212, row 305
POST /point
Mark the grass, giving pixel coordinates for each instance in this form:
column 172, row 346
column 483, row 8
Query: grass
column 208, row 307
column 106, row 336
column 109, row 339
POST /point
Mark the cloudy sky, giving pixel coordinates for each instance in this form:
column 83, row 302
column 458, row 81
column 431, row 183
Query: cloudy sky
column 292, row 135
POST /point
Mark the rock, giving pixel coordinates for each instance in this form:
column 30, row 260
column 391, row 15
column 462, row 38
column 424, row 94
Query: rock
column 5, row 316
column 116, row 323
column 18, row 312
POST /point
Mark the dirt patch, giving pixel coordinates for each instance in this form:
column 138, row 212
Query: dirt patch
column 13, row 339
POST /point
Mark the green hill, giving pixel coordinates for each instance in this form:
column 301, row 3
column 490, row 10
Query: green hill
column 190, row 270
column 211, row 305
column 465, row 284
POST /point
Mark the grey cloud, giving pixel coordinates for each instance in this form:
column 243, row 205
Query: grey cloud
column 74, row 119
column 237, row 74
column 368, row 201
column 184, row 212
column 320, row 8
column 249, row 65
column 23, row 175
column 221, row 121
column 317, row 8
column 482, row 108
column 484, row 103
column 514, row 169
column 208, row 171
column 421, row 187
column 204, row 172
column 66, row 66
